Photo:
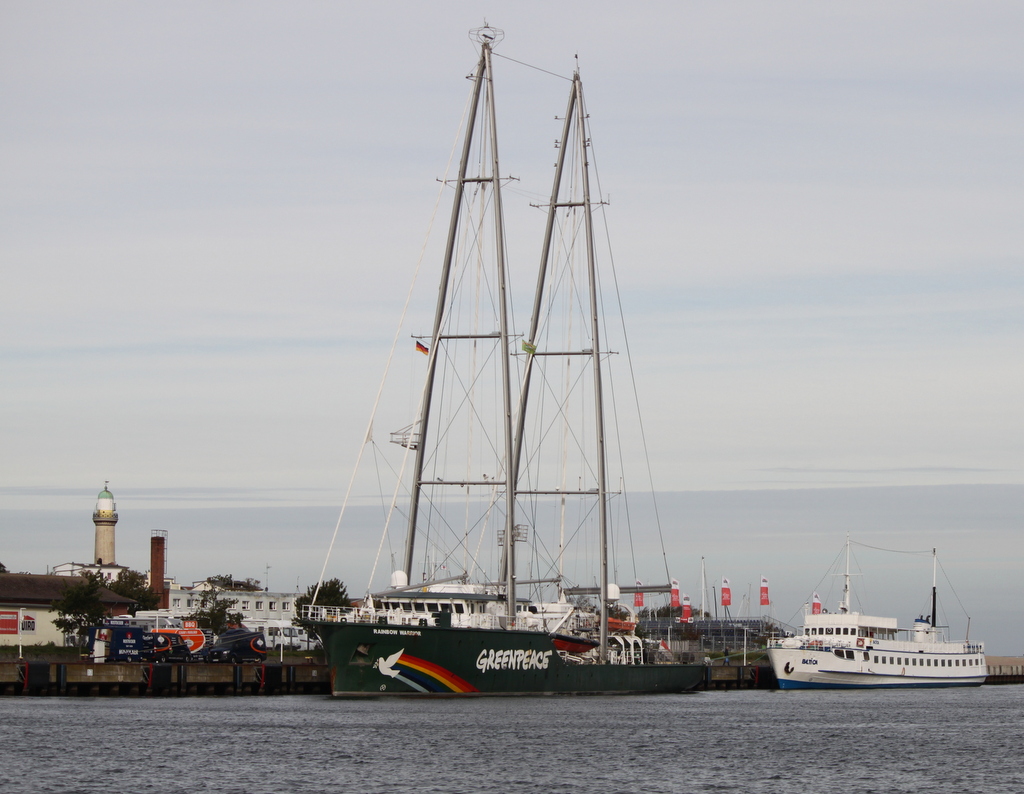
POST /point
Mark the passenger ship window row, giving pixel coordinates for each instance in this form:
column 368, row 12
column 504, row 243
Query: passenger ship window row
column 916, row 661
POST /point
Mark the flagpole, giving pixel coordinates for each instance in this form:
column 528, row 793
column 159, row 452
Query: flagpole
column 703, row 590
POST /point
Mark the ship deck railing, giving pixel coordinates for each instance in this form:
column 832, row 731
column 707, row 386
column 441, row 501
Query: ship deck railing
column 399, row 617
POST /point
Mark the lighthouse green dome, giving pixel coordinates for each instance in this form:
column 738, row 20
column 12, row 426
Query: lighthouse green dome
column 105, row 494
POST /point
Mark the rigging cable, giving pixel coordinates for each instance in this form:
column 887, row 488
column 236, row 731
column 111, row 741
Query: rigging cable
column 629, row 366
column 893, row 551
column 953, row 591
column 368, row 438
column 531, row 66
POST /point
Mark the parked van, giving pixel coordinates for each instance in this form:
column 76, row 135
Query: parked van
column 159, row 623
column 282, row 634
column 116, row 642
column 291, row 638
column 238, row 645
column 168, row 648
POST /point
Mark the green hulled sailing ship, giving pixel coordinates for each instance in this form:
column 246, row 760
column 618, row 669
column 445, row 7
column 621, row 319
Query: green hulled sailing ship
column 495, row 455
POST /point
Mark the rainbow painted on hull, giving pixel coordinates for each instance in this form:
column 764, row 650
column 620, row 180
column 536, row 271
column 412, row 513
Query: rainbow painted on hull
column 425, row 676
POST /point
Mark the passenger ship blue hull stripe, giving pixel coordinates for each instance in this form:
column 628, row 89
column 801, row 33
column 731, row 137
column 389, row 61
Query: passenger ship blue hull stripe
column 784, row 684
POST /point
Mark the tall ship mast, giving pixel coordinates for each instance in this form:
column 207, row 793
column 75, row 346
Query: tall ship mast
column 495, row 456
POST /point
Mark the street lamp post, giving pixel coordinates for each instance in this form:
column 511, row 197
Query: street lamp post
column 745, row 631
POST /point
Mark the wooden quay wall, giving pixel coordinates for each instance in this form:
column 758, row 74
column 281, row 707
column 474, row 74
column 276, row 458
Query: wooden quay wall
column 162, row 680
column 1005, row 669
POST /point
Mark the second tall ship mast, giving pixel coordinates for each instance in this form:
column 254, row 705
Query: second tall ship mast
column 574, row 138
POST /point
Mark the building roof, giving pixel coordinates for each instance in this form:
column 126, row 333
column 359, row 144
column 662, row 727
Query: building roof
column 75, row 567
column 42, row 589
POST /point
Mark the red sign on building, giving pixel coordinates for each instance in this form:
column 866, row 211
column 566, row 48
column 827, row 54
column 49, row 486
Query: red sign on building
column 9, row 623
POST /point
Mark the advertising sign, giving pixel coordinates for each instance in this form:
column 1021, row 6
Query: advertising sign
column 9, row 623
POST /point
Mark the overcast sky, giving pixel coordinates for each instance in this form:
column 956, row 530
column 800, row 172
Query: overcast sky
column 212, row 212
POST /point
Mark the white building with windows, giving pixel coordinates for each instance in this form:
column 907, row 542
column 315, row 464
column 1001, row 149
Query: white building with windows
column 256, row 606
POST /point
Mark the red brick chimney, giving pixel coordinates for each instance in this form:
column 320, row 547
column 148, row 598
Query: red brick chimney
column 157, row 566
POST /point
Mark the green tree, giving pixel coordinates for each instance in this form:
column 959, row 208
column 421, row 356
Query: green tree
column 3, row 568
column 134, row 585
column 214, row 612
column 226, row 581
column 333, row 593
column 80, row 606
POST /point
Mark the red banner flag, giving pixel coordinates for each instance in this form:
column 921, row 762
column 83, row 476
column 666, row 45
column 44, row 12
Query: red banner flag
column 675, row 592
column 726, row 593
column 764, row 592
column 816, row 605
column 687, row 611
column 638, row 597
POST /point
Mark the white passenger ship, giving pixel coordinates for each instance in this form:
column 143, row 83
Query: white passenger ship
column 846, row 649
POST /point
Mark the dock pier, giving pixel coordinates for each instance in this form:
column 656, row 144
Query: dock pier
column 89, row 679
column 739, row 676
column 1005, row 670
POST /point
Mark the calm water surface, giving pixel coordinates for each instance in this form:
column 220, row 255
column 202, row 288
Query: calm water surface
column 806, row 742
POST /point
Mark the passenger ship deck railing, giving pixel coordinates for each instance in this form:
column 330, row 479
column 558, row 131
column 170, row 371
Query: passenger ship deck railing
column 895, row 646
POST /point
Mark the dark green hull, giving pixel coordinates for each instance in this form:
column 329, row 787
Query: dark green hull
column 384, row 659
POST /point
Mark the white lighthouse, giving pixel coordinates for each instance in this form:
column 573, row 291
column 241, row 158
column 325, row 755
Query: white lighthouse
column 105, row 519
